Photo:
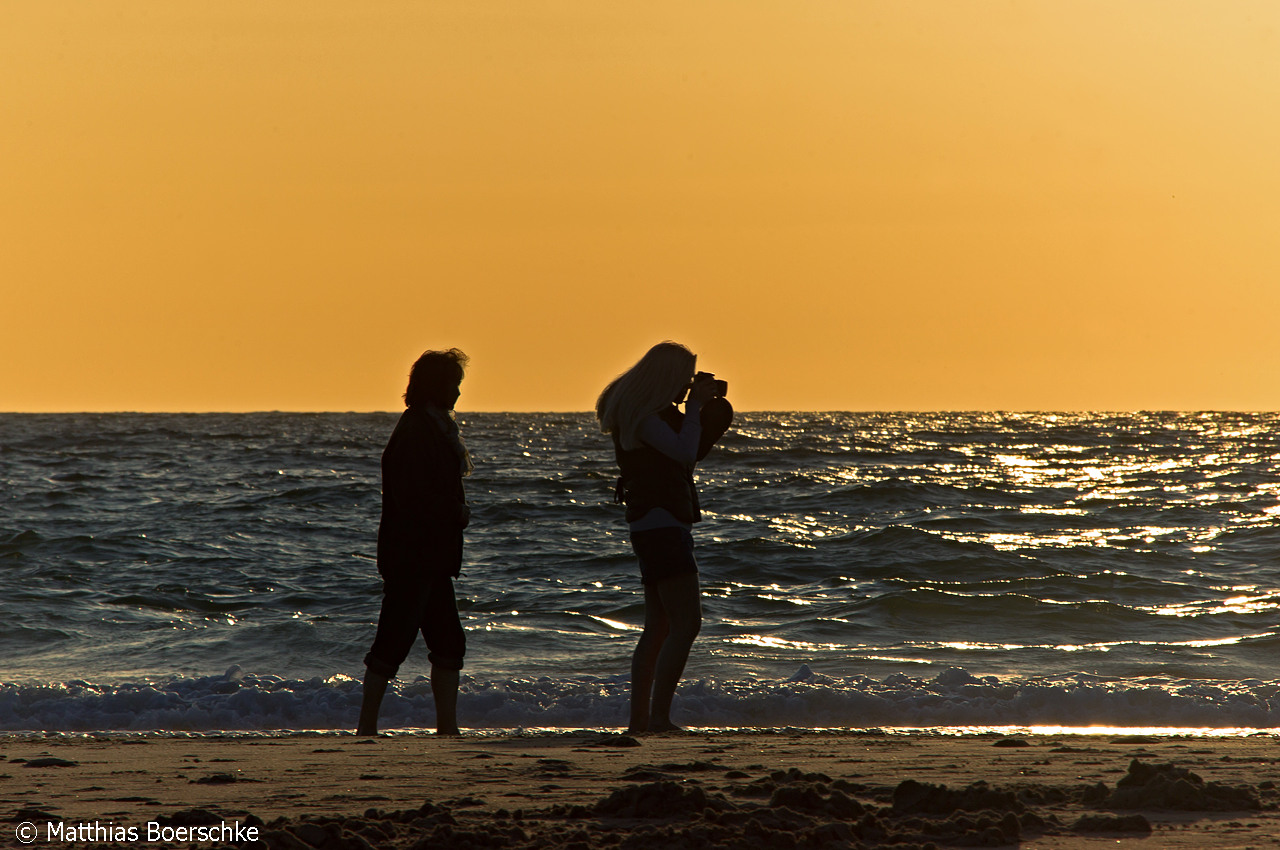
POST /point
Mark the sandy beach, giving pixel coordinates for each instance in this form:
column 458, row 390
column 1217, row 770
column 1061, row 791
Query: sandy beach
column 585, row 790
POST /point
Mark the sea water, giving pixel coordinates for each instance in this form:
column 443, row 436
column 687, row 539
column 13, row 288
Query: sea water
column 216, row 572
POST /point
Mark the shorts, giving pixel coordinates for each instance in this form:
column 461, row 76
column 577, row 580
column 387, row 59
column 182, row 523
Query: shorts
column 663, row 553
column 413, row 604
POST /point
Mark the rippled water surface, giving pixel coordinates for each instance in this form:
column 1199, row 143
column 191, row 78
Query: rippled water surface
column 137, row 547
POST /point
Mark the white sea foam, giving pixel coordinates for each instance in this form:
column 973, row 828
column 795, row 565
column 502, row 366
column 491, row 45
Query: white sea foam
column 239, row 702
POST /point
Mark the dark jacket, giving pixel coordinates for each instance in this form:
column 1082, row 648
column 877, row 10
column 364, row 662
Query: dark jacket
column 651, row 479
column 424, row 508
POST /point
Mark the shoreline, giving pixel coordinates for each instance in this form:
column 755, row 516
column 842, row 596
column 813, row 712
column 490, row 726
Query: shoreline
column 585, row 789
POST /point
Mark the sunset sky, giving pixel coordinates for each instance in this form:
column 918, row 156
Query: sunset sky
column 839, row 205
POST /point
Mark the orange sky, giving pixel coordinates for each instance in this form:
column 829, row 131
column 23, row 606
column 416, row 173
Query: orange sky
column 839, row 205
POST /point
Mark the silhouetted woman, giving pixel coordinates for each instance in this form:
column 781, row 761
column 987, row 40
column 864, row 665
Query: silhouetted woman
column 424, row 511
column 657, row 447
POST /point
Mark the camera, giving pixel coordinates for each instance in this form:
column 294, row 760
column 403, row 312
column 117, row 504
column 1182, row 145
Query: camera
column 718, row 388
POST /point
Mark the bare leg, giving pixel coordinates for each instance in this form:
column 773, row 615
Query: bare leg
column 444, row 688
column 681, row 599
column 375, row 687
column 645, row 659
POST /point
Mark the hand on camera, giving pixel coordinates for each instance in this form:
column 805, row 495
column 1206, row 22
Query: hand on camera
column 703, row 389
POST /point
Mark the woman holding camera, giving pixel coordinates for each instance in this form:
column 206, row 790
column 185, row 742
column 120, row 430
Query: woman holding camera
column 657, row 447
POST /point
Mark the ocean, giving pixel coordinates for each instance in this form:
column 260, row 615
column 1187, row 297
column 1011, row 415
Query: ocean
column 198, row 573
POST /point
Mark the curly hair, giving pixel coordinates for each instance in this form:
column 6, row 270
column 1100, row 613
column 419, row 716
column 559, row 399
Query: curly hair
column 433, row 375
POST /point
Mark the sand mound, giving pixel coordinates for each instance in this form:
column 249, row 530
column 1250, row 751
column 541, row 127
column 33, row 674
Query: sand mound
column 1165, row 786
column 659, row 800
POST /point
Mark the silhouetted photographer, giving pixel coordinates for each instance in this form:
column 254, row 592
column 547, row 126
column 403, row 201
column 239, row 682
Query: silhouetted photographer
column 657, row 446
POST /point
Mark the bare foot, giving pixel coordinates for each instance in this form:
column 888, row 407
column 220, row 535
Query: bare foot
column 451, row 732
column 664, row 728
column 364, row 732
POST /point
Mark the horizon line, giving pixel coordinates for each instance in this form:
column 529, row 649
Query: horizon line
column 1005, row 410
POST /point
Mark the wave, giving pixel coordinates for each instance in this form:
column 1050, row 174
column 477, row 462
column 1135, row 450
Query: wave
column 237, row 701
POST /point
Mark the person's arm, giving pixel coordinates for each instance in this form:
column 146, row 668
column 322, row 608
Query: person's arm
column 717, row 414
column 681, row 446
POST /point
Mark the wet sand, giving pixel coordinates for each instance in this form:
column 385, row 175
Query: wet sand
column 586, row 790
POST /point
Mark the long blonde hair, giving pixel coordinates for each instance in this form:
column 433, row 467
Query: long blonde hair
column 645, row 388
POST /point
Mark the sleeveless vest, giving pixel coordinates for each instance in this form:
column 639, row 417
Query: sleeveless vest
column 651, row 480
